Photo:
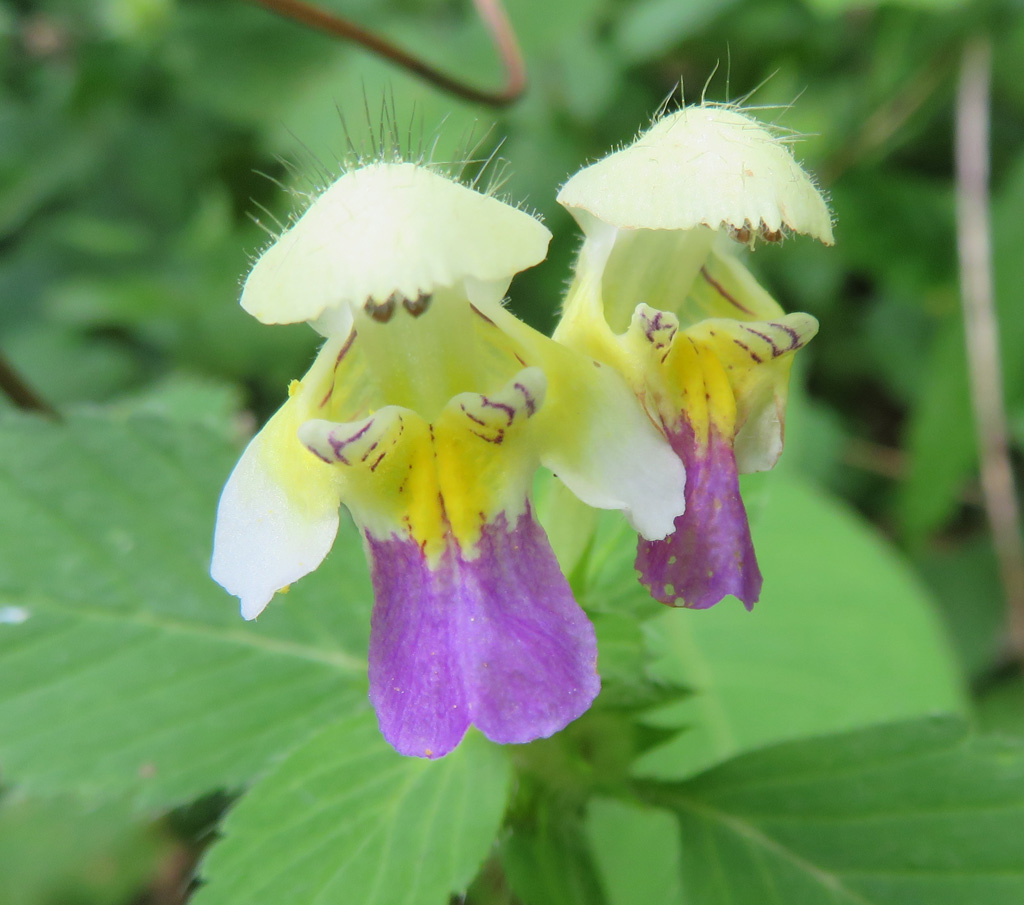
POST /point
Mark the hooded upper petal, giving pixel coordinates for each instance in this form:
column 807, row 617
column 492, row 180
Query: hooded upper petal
column 389, row 228
column 706, row 166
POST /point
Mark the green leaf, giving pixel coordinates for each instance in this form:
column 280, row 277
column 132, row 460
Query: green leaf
column 916, row 814
column 650, row 28
column 844, row 636
column 123, row 667
column 58, row 851
column 636, row 851
column 1001, row 708
column 346, row 819
column 836, row 7
column 546, row 859
column 964, row 580
column 941, row 459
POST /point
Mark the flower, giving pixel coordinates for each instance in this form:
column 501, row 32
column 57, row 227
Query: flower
column 426, row 413
column 659, row 294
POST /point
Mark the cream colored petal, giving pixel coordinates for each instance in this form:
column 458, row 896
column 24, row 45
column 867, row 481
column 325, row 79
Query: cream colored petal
column 278, row 515
column 702, row 166
column 389, row 228
column 594, row 434
column 620, row 460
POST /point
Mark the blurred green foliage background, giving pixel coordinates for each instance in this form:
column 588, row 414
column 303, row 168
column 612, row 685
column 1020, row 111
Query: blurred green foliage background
column 139, row 139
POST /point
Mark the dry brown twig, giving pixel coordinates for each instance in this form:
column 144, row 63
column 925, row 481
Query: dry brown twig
column 491, row 13
column 15, row 388
column 981, row 327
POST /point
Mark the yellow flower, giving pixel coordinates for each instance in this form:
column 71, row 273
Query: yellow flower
column 426, row 413
column 660, row 295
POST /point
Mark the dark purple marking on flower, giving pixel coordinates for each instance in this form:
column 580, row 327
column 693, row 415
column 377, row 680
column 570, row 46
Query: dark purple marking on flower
column 417, row 305
column 471, row 416
column 741, row 234
column 723, row 292
column 338, row 445
column 795, row 341
column 342, row 352
column 657, row 330
column 508, row 410
column 496, row 641
column 382, row 312
column 497, row 439
column 748, row 350
column 528, row 400
column 710, row 554
column 776, row 351
column 321, row 456
column 480, row 313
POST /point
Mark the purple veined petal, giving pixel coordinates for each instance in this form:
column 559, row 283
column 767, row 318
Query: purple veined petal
column 496, row 640
column 710, row 554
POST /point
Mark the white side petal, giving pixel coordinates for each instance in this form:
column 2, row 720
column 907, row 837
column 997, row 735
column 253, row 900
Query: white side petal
column 622, row 461
column 277, row 518
column 758, row 443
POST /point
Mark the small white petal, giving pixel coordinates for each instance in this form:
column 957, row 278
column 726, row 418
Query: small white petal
column 758, row 442
column 621, row 460
column 702, row 166
column 386, row 228
column 277, row 518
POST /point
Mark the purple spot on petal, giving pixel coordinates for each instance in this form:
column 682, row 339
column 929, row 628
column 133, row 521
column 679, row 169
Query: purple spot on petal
column 496, row 640
column 710, row 553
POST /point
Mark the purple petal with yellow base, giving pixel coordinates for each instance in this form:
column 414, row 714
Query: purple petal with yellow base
column 495, row 640
column 710, row 553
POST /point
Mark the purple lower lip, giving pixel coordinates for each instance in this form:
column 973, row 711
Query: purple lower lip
column 710, row 554
column 495, row 640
